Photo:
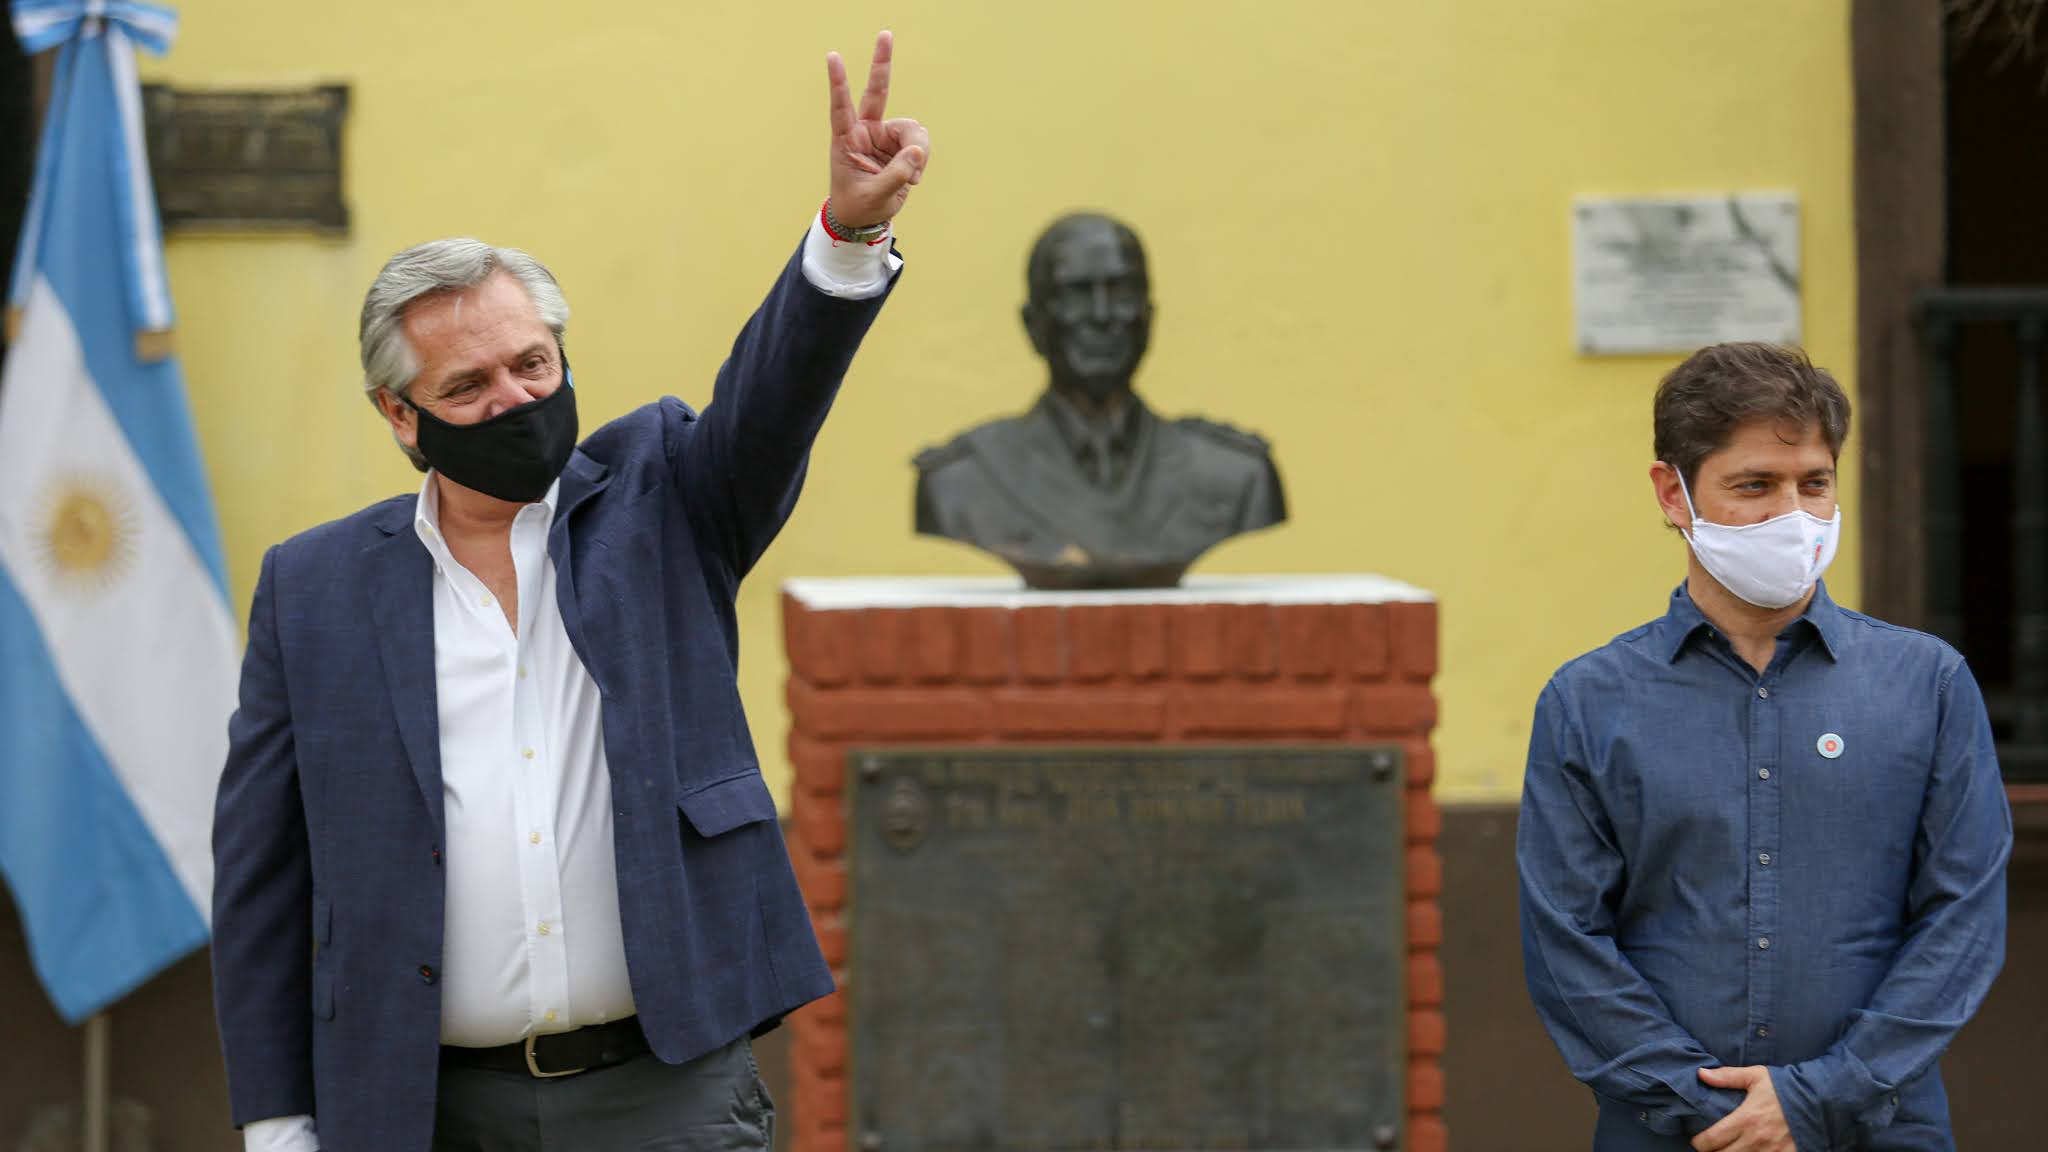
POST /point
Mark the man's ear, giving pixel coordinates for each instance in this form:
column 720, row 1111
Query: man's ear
column 405, row 424
column 1664, row 482
column 1034, row 326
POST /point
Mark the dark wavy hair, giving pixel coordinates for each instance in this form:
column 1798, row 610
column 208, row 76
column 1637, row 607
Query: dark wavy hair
column 1724, row 386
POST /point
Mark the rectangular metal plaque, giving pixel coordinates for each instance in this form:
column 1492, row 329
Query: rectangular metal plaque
column 1088, row 949
column 247, row 159
column 1673, row 274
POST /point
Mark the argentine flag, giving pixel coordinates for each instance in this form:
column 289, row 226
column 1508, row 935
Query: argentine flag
column 117, row 651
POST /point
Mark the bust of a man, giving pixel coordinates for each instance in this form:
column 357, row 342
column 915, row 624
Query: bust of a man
column 1090, row 488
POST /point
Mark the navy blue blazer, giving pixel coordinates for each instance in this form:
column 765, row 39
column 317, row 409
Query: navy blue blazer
column 328, row 888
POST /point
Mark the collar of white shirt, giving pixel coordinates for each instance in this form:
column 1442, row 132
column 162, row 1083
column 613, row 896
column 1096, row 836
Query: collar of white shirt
column 427, row 516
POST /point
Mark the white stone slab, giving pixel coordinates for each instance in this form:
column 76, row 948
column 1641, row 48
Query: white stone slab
column 1676, row 273
column 836, row 595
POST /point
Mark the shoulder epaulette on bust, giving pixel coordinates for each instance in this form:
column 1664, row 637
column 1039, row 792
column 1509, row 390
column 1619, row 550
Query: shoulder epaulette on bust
column 932, row 459
column 1228, row 435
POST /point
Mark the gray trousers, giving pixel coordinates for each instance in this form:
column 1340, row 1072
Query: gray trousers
column 715, row 1103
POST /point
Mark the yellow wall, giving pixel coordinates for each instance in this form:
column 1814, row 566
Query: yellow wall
column 1356, row 212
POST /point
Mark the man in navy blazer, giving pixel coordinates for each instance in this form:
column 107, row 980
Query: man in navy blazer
column 496, row 867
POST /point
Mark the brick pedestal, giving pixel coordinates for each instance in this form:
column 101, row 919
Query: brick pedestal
column 1293, row 660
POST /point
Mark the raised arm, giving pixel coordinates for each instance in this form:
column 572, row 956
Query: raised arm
column 742, row 463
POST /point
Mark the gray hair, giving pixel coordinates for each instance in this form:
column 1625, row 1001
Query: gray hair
column 430, row 269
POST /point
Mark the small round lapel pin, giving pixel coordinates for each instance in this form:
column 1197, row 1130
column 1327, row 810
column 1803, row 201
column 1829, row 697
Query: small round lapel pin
column 1829, row 745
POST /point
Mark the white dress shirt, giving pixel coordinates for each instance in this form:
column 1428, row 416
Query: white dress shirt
column 532, row 940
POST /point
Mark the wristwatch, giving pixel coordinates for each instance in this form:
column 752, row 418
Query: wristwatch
column 845, row 232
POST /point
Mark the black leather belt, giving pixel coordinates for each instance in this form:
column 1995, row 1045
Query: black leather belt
column 557, row 1053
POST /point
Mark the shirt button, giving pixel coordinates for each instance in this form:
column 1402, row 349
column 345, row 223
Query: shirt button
column 543, row 928
column 522, row 671
column 549, row 1017
column 527, row 753
column 1763, row 693
column 1763, row 942
column 533, row 837
column 486, row 601
column 426, row 973
column 1762, row 1031
column 1764, row 858
column 1763, row 773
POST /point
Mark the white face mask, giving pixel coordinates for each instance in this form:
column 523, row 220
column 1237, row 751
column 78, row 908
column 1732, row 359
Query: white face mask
column 1772, row 564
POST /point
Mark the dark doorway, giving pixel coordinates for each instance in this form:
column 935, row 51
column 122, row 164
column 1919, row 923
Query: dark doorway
column 1992, row 541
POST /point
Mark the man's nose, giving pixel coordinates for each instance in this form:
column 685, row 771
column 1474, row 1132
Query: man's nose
column 507, row 391
column 1098, row 300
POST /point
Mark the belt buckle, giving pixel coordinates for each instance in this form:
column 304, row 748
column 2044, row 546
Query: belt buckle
column 534, row 1067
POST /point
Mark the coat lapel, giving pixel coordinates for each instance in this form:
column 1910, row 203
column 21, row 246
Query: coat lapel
column 581, row 480
column 401, row 594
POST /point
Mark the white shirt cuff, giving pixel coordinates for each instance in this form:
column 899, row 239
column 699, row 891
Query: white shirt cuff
column 281, row 1134
column 848, row 269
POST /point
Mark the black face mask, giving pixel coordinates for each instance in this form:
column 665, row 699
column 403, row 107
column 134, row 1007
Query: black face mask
column 514, row 455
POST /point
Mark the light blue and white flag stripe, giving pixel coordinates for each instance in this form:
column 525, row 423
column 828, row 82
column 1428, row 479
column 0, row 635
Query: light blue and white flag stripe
column 117, row 650
column 115, row 29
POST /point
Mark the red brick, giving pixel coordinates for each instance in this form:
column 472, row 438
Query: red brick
column 823, row 881
column 1053, row 713
column 985, row 643
column 821, row 1048
column 1095, row 636
column 1308, row 636
column 1421, row 763
column 1425, row 820
column 819, row 820
column 824, row 1138
column 1425, row 1086
column 1197, row 634
column 1041, row 647
column 1145, row 629
column 1425, row 870
column 1425, row 980
column 883, row 635
column 831, row 930
column 1393, row 709
column 1365, row 640
column 819, row 766
column 1245, row 711
column 934, row 644
column 1248, row 641
column 820, row 1093
column 1425, row 1033
column 1425, row 926
column 901, row 713
column 1414, row 639
column 1425, row 1134
column 821, row 645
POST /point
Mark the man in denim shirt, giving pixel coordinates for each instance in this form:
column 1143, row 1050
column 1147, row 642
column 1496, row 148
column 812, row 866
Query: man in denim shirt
column 1763, row 838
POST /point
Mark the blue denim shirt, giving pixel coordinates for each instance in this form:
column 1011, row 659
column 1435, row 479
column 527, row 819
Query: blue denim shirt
column 1803, row 869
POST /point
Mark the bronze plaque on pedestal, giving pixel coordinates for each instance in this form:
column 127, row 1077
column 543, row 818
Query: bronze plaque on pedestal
column 247, row 159
column 1085, row 949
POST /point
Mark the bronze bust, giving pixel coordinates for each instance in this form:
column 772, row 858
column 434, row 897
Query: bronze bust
column 1090, row 488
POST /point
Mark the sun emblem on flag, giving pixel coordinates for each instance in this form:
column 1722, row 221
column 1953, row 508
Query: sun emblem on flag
column 87, row 532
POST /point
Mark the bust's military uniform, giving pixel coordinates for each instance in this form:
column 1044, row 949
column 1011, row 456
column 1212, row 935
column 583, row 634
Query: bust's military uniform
column 1073, row 504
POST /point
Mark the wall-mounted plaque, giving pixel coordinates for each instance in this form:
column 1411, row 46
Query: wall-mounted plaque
column 1673, row 274
column 1064, row 949
column 247, row 159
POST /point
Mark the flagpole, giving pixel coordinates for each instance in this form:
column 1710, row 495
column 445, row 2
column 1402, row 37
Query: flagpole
column 98, row 1048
